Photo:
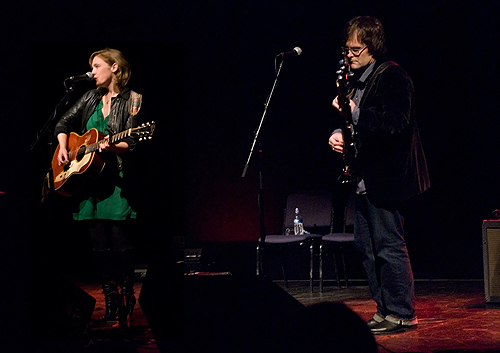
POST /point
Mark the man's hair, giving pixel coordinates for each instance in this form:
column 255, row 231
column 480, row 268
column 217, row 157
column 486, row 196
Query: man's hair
column 111, row 56
column 367, row 30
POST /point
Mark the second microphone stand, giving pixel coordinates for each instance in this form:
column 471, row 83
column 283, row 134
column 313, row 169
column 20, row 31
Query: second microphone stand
column 260, row 198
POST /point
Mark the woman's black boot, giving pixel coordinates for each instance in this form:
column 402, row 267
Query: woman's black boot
column 127, row 288
column 111, row 299
column 126, row 310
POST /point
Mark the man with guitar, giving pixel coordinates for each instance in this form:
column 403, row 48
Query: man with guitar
column 101, row 115
column 389, row 169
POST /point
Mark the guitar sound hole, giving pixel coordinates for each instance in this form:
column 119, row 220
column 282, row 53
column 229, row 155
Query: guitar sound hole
column 81, row 153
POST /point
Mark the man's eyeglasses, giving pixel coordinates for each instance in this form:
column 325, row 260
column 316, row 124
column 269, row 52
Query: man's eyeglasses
column 354, row 51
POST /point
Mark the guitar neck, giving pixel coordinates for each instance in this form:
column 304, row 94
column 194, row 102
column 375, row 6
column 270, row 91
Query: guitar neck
column 343, row 100
column 114, row 139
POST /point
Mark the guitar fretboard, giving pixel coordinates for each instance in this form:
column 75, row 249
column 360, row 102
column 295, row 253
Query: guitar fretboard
column 112, row 140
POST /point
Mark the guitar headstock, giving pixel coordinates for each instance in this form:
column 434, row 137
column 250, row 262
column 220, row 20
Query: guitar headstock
column 145, row 131
column 343, row 75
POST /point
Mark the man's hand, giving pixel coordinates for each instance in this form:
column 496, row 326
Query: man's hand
column 336, row 141
column 335, row 103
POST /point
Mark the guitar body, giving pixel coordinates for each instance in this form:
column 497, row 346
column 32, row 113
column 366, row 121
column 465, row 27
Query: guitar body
column 84, row 161
column 70, row 178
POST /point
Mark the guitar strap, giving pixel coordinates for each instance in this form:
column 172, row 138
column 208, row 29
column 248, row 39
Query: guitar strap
column 135, row 103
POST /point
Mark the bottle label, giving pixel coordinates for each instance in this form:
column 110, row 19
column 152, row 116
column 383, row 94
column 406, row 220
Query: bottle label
column 298, row 228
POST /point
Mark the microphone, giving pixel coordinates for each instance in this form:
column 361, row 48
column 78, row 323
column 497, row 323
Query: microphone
column 85, row 77
column 295, row 52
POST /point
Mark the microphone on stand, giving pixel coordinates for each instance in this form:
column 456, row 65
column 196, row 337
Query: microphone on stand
column 295, row 52
column 85, row 77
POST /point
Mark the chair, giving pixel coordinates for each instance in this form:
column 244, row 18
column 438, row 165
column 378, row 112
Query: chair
column 316, row 211
column 338, row 241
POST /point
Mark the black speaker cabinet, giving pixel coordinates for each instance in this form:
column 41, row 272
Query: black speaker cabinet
column 224, row 313
column 214, row 312
column 491, row 260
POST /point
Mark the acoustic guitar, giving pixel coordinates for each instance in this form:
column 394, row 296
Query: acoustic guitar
column 84, row 160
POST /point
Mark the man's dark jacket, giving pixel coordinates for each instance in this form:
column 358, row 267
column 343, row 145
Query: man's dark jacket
column 390, row 159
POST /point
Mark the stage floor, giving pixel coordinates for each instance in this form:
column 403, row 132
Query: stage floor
column 453, row 317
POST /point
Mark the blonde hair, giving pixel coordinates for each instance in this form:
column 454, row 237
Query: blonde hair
column 111, row 56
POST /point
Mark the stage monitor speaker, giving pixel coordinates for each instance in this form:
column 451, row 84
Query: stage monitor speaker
column 211, row 312
column 232, row 313
column 491, row 260
column 221, row 312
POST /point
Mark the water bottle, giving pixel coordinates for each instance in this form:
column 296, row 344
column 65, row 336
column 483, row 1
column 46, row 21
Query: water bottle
column 298, row 226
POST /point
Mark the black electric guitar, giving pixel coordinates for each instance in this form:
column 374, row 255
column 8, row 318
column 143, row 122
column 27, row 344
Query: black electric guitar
column 84, row 161
column 348, row 175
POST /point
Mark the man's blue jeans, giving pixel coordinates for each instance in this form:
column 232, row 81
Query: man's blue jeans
column 379, row 236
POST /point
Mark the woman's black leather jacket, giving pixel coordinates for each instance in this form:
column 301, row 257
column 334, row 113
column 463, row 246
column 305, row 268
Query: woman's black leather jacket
column 76, row 118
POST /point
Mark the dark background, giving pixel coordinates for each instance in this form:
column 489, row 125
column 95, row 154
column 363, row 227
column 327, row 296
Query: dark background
column 205, row 70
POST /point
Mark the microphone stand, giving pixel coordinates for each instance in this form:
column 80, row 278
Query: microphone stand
column 47, row 128
column 260, row 198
